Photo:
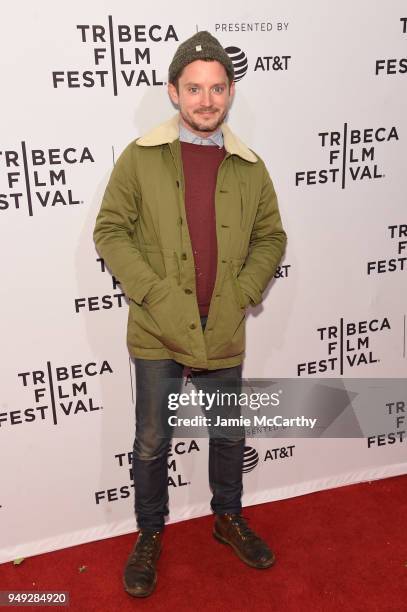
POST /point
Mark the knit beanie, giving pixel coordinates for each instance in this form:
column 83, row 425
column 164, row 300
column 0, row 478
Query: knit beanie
column 200, row 46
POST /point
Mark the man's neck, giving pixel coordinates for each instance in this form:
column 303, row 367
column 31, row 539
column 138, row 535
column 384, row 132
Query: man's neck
column 188, row 135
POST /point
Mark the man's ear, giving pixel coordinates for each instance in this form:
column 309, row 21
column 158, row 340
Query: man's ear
column 172, row 92
column 232, row 89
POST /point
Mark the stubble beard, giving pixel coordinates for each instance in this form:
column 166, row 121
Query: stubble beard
column 206, row 127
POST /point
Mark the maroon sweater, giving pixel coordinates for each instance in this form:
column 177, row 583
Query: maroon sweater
column 201, row 164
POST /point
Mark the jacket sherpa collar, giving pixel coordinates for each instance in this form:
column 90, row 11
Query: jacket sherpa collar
column 169, row 131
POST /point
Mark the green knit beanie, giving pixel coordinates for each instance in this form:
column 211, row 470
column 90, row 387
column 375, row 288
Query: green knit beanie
column 200, row 46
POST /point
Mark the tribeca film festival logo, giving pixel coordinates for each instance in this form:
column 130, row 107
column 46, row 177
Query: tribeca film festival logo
column 397, row 235
column 33, row 179
column 175, row 476
column 397, row 411
column 94, row 303
column 347, row 344
column 351, row 155
column 119, row 56
column 393, row 65
column 57, row 391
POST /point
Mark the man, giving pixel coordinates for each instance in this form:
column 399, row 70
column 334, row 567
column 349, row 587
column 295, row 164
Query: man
column 190, row 226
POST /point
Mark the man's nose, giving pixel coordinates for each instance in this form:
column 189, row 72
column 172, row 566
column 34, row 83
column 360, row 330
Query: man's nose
column 206, row 97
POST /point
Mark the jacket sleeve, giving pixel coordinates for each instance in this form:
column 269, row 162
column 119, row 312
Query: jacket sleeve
column 115, row 228
column 266, row 246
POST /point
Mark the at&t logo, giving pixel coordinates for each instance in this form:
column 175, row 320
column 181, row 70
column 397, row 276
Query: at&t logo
column 250, row 459
column 266, row 63
column 251, row 456
column 239, row 61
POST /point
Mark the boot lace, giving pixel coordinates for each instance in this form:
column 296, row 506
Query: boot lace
column 144, row 551
column 243, row 529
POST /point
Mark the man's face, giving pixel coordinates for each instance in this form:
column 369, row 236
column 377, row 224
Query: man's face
column 203, row 96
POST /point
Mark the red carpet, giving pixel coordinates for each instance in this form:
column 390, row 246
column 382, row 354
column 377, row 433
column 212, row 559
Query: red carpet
column 338, row 550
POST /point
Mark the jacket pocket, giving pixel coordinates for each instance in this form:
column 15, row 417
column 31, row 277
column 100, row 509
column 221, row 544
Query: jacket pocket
column 163, row 261
column 157, row 292
column 241, row 298
column 164, row 308
column 228, row 338
column 244, row 206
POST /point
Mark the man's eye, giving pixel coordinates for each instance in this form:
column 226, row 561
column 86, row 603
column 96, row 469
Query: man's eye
column 219, row 89
column 193, row 89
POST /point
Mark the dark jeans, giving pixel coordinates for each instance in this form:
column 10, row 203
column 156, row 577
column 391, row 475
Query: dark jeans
column 154, row 380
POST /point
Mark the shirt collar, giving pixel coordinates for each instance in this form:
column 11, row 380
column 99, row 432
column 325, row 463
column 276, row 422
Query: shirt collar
column 215, row 140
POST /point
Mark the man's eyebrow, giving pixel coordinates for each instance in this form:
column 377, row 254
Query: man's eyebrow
column 189, row 84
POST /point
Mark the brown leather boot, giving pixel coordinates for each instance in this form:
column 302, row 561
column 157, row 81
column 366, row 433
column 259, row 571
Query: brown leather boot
column 232, row 529
column 140, row 575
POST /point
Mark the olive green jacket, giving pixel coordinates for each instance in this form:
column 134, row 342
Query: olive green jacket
column 142, row 234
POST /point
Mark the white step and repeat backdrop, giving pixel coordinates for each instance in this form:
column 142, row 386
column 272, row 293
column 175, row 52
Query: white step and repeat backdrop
column 322, row 98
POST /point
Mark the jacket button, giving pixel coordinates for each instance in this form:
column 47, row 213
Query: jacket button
column 192, row 326
column 188, row 291
column 224, row 261
column 183, row 255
